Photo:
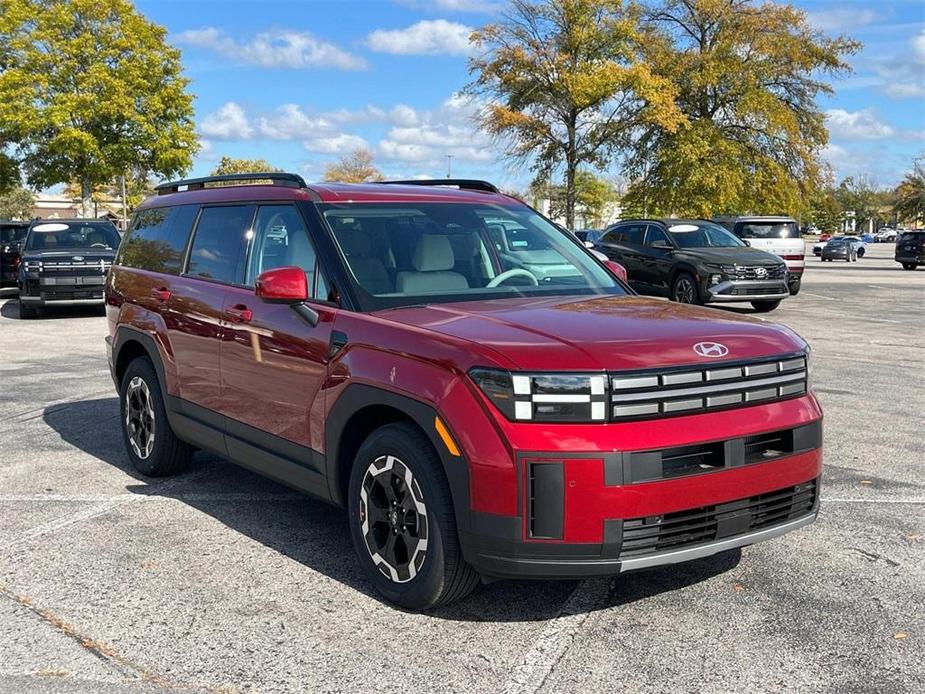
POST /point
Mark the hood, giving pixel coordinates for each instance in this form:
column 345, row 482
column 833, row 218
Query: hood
column 599, row 333
column 737, row 255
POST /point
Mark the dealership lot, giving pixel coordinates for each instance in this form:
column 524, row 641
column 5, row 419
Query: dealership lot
column 219, row 580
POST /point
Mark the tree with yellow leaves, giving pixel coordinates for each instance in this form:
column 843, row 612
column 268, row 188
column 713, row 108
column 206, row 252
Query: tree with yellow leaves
column 565, row 85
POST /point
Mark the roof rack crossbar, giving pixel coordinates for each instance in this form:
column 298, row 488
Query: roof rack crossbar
column 461, row 183
column 289, row 180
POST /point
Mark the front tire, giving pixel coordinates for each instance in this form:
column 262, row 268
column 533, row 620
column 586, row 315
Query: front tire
column 861, row 252
column 151, row 445
column 765, row 306
column 27, row 312
column 795, row 287
column 402, row 521
column 684, row 289
column 909, row 266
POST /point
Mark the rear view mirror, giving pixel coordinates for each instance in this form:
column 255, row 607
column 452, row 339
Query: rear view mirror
column 284, row 285
column 661, row 244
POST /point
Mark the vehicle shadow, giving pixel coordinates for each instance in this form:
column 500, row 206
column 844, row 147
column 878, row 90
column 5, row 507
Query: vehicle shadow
column 315, row 534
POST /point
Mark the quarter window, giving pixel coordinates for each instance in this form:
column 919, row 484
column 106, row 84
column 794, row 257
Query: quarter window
column 218, row 247
column 157, row 239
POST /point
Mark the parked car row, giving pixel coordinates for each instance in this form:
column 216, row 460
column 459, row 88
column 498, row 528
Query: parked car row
column 910, row 249
column 857, row 243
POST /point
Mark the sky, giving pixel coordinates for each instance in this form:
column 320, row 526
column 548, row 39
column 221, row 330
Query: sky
column 302, row 82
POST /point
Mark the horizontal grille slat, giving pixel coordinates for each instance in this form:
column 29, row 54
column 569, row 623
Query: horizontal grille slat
column 720, row 385
column 708, row 523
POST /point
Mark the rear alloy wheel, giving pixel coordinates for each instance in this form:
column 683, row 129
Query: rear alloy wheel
column 765, row 306
column 402, row 520
column 684, row 290
column 149, row 441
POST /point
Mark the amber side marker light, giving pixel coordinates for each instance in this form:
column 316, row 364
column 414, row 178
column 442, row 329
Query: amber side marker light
column 445, row 436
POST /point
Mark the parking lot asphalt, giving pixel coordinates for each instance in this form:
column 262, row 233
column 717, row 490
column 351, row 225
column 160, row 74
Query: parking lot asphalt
column 218, row 580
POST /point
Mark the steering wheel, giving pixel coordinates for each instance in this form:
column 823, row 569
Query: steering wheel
column 515, row 272
column 98, row 245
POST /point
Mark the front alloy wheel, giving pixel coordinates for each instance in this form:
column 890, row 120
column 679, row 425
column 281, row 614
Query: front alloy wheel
column 393, row 518
column 685, row 290
column 139, row 417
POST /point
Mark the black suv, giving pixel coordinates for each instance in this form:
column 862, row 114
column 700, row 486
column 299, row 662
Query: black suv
column 693, row 261
column 11, row 237
column 64, row 263
column 910, row 249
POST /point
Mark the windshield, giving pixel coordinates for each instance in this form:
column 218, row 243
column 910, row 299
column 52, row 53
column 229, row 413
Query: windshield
column 702, row 235
column 410, row 253
column 50, row 236
column 768, row 230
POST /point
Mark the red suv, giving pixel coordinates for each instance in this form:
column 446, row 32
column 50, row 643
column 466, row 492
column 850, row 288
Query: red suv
column 478, row 390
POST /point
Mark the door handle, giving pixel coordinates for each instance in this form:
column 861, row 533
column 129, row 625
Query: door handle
column 162, row 294
column 239, row 313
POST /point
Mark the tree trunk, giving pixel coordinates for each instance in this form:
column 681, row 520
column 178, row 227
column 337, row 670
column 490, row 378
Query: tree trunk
column 86, row 196
column 571, row 165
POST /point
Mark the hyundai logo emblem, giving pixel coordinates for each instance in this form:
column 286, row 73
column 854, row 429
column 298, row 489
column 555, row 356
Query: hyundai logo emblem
column 760, row 272
column 77, row 258
column 711, row 349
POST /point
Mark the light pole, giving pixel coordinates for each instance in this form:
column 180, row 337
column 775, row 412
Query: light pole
column 449, row 165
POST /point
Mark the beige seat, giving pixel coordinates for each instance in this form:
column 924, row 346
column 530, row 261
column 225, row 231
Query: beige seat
column 433, row 262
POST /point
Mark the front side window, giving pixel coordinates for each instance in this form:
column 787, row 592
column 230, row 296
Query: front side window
column 657, row 236
column 54, row 236
column 406, row 253
column 768, row 230
column 281, row 240
column 702, row 235
column 218, row 246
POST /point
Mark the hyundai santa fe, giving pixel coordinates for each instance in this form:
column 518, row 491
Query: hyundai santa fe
column 480, row 392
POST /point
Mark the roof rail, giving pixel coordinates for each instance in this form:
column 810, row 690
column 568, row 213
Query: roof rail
column 289, row 180
column 461, row 183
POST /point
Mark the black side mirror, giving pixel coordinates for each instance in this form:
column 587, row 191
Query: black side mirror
column 664, row 245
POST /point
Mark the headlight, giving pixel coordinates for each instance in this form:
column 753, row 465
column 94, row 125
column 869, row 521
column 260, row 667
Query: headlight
column 33, row 265
column 545, row 397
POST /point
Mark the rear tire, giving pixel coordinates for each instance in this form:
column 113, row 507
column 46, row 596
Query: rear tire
column 684, row 289
column 151, row 445
column 861, row 252
column 795, row 287
column 402, row 521
column 909, row 266
column 765, row 306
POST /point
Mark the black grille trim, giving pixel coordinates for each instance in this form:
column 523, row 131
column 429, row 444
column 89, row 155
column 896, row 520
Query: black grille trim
column 683, row 529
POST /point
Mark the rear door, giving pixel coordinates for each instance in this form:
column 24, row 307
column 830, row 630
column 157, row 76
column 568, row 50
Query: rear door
column 273, row 362
column 624, row 243
column 194, row 306
column 656, row 260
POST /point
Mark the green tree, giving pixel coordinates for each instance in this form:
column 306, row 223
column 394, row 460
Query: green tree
column 747, row 77
column 91, row 89
column 565, row 85
column 230, row 165
column 17, row 203
column 356, row 167
column 825, row 212
column 861, row 197
column 909, row 196
column 593, row 195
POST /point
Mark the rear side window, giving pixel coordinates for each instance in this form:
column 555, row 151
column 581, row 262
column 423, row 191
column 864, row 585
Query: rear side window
column 768, row 230
column 217, row 252
column 633, row 233
column 157, row 239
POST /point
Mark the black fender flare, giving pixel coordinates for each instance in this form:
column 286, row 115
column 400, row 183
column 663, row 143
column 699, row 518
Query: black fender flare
column 125, row 334
column 357, row 396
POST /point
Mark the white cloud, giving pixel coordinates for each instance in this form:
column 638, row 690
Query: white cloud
column 841, row 19
column 427, row 37
column 227, row 123
column 342, row 143
column 903, row 75
column 857, row 125
column 274, row 49
column 485, row 6
column 290, row 122
column 404, row 115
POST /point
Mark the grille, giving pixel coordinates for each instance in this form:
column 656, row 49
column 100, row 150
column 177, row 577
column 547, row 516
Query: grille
column 757, row 272
column 757, row 290
column 642, row 536
column 685, row 391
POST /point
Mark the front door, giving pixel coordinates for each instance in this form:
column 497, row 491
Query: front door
column 273, row 362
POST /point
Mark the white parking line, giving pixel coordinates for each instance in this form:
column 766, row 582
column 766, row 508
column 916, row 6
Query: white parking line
column 819, row 296
column 873, row 501
column 556, row 637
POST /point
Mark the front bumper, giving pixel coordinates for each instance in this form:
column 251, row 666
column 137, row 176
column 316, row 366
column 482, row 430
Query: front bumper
column 747, row 290
column 83, row 290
